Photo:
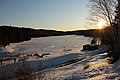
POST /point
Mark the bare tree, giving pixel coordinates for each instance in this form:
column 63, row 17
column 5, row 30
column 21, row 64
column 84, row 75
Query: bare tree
column 119, row 17
column 118, row 27
column 103, row 9
column 106, row 9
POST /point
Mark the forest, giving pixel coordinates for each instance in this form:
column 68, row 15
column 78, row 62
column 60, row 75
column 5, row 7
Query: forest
column 10, row 34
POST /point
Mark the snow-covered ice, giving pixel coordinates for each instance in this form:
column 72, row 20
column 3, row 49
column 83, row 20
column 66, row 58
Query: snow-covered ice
column 61, row 49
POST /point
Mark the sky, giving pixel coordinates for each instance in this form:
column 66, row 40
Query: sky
column 63, row 15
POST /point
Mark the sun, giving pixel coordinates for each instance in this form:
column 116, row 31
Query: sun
column 101, row 24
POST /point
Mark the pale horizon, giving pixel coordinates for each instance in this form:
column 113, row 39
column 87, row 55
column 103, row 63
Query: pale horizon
column 61, row 15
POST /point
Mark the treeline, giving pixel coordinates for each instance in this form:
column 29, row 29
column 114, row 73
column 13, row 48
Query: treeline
column 111, row 34
column 45, row 33
column 108, row 10
column 10, row 34
column 111, row 37
column 86, row 33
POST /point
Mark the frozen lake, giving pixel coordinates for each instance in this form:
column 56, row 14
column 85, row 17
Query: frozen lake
column 54, row 45
column 56, row 49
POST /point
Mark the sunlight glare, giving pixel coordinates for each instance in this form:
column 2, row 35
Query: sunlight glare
column 101, row 24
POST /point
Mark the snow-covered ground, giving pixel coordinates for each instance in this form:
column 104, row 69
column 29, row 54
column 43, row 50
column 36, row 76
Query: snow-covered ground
column 64, row 60
column 95, row 67
column 2, row 50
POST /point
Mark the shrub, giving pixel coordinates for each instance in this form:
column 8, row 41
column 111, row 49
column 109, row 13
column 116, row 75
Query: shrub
column 24, row 72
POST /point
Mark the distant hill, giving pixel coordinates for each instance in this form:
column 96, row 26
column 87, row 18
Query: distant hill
column 87, row 33
column 10, row 34
column 45, row 33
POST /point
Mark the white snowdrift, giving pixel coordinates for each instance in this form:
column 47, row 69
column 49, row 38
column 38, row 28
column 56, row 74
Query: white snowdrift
column 97, row 68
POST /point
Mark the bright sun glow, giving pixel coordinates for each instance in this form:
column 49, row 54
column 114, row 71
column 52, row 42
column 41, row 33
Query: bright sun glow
column 101, row 24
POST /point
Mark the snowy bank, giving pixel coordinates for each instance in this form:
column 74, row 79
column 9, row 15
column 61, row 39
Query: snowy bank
column 93, row 67
column 3, row 51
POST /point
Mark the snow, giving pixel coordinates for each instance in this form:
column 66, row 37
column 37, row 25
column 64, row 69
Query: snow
column 10, row 47
column 56, row 46
column 91, row 65
column 2, row 50
column 98, row 69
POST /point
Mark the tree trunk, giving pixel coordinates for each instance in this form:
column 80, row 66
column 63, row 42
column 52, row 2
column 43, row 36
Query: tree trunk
column 117, row 45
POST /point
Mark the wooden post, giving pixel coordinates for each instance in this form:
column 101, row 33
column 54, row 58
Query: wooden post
column 1, row 61
column 14, row 60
